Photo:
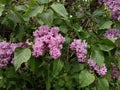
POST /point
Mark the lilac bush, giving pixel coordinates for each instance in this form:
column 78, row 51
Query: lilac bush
column 76, row 45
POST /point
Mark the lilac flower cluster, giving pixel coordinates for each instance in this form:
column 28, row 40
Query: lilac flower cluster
column 47, row 38
column 114, row 6
column 7, row 51
column 100, row 70
column 115, row 73
column 112, row 33
column 115, row 15
column 80, row 48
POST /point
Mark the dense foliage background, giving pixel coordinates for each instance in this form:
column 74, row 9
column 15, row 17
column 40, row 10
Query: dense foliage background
column 94, row 23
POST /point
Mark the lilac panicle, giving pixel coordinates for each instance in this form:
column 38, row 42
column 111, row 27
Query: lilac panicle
column 80, row 49
column 112, row 33
column 115, row 72
column 48, row 38
column 99, row 70
column 114, row 6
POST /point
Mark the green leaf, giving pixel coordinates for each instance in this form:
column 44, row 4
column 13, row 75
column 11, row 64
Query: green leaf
column 20, row 8
column 47, row 17
column 98, row 57
column 76, row 67
column 79, row 15
column 98, row 12
column 106, row 25
column 5, row 1
column 86, row 78
column 63, row 29
column 21, row 55
column 20, row 33
column 14, row 17
column 67, row 40
column 102, row 84
column 1, row 9
column 32, row 64
column 43, row 1
column 60, row 9
column 57, row 67
column 117, row 25
column 10, row 72
column 118, row 61
column 106, row 45
column 36, row 10
column 2, row 82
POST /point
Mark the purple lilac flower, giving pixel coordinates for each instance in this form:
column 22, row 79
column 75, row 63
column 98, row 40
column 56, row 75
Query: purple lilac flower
column 112, row 33
column 7, row 51
column 91, row 63
column 55, row 53
column 47, row 38
column 115, row 15
column 39, row 47
column 80, row 48
column 42, row 30
column 114, row 6
column 115, row 73
column 101, row 71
